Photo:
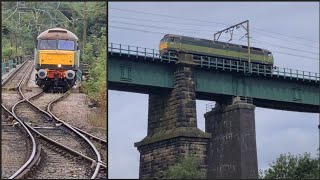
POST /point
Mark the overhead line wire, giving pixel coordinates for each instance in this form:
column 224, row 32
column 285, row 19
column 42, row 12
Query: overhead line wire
column 198, row 20
column 302, row 44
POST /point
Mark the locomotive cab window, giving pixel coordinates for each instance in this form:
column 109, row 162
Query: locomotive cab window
column 66, row 45
column 47, row 44
column 165, row 39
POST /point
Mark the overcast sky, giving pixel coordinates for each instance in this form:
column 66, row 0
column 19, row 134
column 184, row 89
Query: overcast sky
column 289, row 29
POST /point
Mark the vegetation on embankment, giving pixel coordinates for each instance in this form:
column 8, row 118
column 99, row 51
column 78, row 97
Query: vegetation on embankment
column 96, row 85
column 95, row 54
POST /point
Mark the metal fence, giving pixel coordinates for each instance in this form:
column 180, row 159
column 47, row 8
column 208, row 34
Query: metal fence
column 7, row 66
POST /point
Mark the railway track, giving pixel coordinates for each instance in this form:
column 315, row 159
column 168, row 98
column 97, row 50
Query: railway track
column 45, row 101
column 13, row 81
column 64, row 151
column 16, row 147
column 101, row 144
column 60, row 141
column 19, row 149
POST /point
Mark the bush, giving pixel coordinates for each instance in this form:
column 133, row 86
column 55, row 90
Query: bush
column 95, row 56
column 187, row 168
column 292, row 167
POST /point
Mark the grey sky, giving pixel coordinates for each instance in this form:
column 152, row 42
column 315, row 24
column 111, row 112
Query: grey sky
column 277, row 131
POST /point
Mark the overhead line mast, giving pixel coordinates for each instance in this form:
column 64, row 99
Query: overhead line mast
column 230, row 29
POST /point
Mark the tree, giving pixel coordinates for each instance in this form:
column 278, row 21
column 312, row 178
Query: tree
column 187, row 168
column 293, row 167
column 96, row 86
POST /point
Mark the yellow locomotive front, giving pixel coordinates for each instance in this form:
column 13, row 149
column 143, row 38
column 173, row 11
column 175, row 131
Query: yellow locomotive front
column 56, row 59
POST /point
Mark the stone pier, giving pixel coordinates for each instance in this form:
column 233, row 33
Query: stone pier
column 232, row 151
column 172, row 126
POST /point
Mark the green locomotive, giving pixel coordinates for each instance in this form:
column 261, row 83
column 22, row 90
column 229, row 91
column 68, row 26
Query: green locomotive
column 216, row 49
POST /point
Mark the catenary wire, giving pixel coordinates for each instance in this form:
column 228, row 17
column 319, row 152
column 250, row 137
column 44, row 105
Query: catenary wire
column 219, row 23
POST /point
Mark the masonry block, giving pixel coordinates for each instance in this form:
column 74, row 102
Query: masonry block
column 157, row 157
column 232, row 151
column 172, row 126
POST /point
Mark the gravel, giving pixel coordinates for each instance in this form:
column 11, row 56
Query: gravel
column 74, row 109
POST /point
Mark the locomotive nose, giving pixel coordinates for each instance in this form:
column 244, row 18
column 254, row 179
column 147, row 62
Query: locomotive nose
column 70, row 74
column 42, row 73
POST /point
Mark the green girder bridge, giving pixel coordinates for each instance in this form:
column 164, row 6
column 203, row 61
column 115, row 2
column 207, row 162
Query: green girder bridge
column 136, row 69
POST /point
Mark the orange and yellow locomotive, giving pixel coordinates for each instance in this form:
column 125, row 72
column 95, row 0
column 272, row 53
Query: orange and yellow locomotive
column 56, row 59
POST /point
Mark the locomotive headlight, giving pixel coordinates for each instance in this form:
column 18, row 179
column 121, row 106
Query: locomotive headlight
column 42, row 73
column 59, row 65
column 70, row 74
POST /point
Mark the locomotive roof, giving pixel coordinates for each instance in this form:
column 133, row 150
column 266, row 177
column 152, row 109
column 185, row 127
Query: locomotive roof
column 57, row 33
column 207, row 41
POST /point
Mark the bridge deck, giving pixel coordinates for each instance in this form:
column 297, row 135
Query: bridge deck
column 137, row 70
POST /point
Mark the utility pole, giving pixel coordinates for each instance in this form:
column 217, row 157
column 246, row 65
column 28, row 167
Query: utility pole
column 230, row 29
column 248, row 36
column 11, row 42
column 19, row 31
column 73, row 21
column 16, row 42
column 84, row 25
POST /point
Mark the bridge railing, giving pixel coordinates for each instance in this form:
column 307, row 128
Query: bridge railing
column 133, row 51
column 140, row 52
column 215, row 63
column 229, row 65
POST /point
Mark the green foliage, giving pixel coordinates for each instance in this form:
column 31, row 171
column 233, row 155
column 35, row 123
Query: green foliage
column 96, row 56
column 32, row 18
column 292, row 167
column 187, row 168
column 20, row 27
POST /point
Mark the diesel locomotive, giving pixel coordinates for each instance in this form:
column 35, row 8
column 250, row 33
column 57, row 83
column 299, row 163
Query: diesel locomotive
column 215, row 49
column 56, row 59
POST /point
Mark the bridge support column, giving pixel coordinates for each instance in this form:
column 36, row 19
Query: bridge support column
column 232, row 150
column 172, row 127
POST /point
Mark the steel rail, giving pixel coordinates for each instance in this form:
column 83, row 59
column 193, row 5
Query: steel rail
column 98, row 161
column 34, row 145
column 80, row 130
column 52, row 141
column 101, row 141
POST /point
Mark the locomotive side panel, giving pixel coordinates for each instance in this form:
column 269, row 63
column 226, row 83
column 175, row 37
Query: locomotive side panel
column 210, row 48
